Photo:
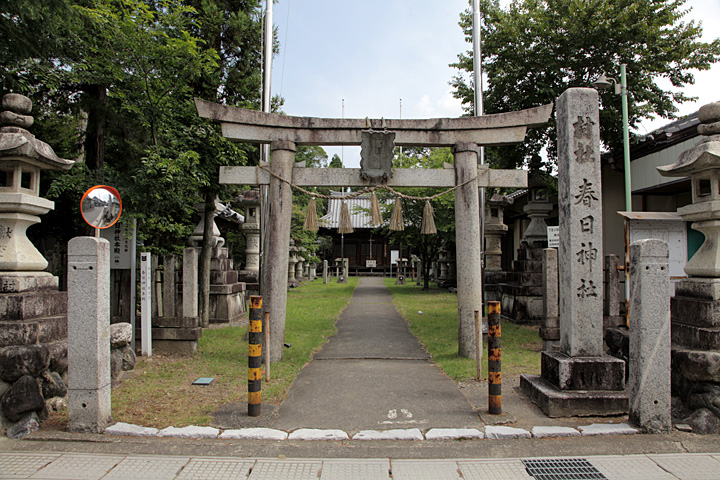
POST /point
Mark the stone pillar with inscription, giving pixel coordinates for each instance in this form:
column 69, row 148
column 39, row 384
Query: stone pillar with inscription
column 579, row 379
column 33, row 313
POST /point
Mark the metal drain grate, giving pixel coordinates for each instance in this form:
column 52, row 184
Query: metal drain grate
column 563, row 469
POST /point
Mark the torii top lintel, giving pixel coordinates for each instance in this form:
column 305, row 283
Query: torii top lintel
column 244, row 125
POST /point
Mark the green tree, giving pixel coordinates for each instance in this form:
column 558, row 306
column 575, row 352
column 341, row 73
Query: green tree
column 122, row 75
column 313, row 156
column 336, row 162
column 535, row 49
column 427, row 247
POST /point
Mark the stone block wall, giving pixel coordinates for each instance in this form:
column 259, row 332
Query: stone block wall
column 33, row 348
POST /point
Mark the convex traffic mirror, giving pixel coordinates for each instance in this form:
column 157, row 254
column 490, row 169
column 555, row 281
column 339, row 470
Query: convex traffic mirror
column 101, row 206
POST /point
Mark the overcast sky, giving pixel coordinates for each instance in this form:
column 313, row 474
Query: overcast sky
column 373, row 53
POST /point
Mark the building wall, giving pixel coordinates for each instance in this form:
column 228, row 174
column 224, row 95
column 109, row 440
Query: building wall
column 613, row 191
column 644, row 169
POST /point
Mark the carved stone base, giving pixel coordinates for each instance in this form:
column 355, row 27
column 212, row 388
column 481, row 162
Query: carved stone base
column 568, row 403
column 578, row 386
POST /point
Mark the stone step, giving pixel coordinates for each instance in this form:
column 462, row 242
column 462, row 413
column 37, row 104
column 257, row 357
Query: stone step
column 232, row 288
column 28, row 305
column 175, row 322
column 695, row 311
column 223, row 277
column 567, row 403
column 700, row 338
column 696, row 365
column 583, row 373
column 36, row 330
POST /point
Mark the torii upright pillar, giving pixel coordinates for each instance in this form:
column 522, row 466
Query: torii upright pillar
column 467, row 246
column 275, row 262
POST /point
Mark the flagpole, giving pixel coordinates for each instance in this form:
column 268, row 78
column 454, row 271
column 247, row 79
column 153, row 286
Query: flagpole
column 478, row 110
column 265, row 148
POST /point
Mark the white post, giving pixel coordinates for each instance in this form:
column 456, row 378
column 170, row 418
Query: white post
column 146, row 282
column 133, row 280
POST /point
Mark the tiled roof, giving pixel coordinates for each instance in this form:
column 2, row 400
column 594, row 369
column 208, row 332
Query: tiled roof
column 359, row 208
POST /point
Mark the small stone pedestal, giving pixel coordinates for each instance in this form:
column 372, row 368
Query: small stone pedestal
column 596, row 372
column 227, row 294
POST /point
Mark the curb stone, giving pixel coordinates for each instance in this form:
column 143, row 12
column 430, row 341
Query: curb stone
column 318, row 434
column 608, row 429
column 189, row 432
column 260, row 433
column 396, row 434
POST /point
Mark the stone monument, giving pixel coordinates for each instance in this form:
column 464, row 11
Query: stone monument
column 579, row 379
column 33, row 313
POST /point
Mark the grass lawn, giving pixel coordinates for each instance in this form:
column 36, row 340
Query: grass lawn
column 436, row 327
column 159, row 392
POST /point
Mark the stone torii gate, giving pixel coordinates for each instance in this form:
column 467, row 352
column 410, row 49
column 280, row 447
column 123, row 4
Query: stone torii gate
column 284, row 133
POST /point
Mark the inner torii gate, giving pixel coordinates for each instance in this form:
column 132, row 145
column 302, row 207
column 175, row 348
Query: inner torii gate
column 464, row 135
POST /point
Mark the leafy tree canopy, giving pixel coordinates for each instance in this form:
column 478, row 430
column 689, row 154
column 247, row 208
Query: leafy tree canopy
column 426, row 247
column 533, row 50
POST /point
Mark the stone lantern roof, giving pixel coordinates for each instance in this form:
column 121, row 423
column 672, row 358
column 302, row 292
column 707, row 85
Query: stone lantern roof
column 702, row 164
column 17, row 143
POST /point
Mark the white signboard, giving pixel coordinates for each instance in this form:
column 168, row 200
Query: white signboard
column 120, row 238
column 394, row 255
column 553, row 234
column 674, row 234
column 370, row 263
column 146, row 303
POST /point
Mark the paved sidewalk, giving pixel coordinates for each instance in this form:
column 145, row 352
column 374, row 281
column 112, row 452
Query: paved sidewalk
column 46, row 465
column 373, row 374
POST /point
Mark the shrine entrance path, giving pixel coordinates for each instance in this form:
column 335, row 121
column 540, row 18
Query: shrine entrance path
column 373, row 375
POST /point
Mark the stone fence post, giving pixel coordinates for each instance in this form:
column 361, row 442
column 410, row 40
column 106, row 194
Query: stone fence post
column 649, row 379
column 89, row 334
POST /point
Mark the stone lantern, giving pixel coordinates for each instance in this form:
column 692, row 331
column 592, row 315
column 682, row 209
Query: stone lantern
column 196, row 238
column 695, row 308
column 22, row 156
column 538, row 207
column 292, row 261
column 300, row 266
column 33, row 313
column 495, row 229
column 251, row 229
column 702, row 165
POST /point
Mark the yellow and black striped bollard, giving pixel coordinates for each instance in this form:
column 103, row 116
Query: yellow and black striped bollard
column 255, row 357
column 494, row 360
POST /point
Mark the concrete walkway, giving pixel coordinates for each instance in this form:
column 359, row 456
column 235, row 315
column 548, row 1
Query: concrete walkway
column 373, row 374
column 91, row 466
